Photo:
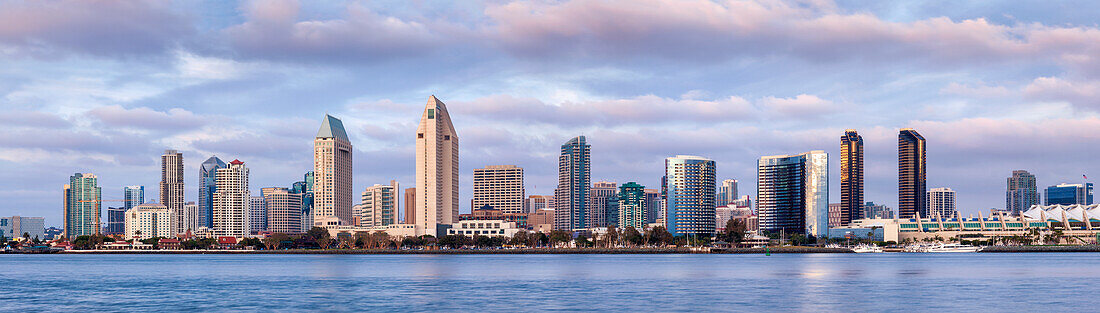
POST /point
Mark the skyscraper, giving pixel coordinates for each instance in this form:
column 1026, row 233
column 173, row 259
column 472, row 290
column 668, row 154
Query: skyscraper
column 171, row 186
column 379, row 205
column 632, row 206
column 436, row 167
column 793, row 193
column 410, row 206
column 941, row 203
column 690, row 207
column 1069, row 194
column 207, row 185
column 332, row 169
column 83, row 200
column 1022, row 192
column 305, row 189
column 257, row 214
column 912, row 174
column 116, row 221
column 603, row 204
column 499, row 186
column 191, row 219
column 132, row 196
column 653, row 205
column 571, row 196
column 284, row 210
column 851, row 178
column 231, row 201
column 727, row 192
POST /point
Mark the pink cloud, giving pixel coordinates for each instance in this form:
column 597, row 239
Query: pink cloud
column 1083, row 94
column 95, row 27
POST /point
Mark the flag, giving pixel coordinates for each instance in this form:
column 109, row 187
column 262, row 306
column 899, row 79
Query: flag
column 1086, row 177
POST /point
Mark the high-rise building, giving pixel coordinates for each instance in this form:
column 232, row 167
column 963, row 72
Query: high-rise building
column 149, row 220
column 941, row 203
column 171, row 185
column 603, row 204
column 690, row 206
column 436, row 167
column 231, row 200
column 632, row 206
column 192, row 219
column 727, row 192
column 17, row 226
column 1022, row 192
column 571, row 196
column 410, row 206
column 284, row 210
column 872, row 210
column 723, row 214
column 851, row 178
column 207, row 185
column 83, row 200
column 332, row 170
column 535, row 203
column 132, row 196
column 379, row 205
column 116, row 221
column 653, row 205
column 305, row 189
column 1069, row 194
column 499, row 186
column 912, row 174
column 257, row 214
column 793, row 193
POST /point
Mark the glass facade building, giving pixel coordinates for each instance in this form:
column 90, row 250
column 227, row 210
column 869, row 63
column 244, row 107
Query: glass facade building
column 851, row 178
column 633, row 208
column 1021, row 193
column 1069, row 194
column 912, row 174
column 574, row 176
column 207, row 186
column 691, row 195
column 793, row 193
column 83, row 200
column 132, row 196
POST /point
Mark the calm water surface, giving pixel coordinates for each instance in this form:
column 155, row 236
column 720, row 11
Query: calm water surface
column 818, row 282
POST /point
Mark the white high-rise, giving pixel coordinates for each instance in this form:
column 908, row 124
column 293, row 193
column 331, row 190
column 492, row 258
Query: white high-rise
column 436, row 168
column 499, row 186
column 603, row 204
column 231, row 200
column 192, row 219
column 727, row 192
column 332, row 170
column 379, row 205
column 941, row 202
column 284, row 210
column 257, row 214
column 149, row 220
column 171, row 186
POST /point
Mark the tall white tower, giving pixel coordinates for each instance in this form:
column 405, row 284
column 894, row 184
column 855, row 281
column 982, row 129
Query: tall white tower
column 332, row 184
column 436, row 168
column 231, row 200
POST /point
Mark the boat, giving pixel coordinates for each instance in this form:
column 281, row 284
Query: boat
column 865, row 248
column 952, row 248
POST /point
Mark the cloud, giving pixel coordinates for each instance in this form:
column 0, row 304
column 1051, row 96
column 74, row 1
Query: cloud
column 174, row 119
column 1082, row 94
column 102, row 28
column 33, row 119
column 636, row 110
column 800, row 106
column 979, row 90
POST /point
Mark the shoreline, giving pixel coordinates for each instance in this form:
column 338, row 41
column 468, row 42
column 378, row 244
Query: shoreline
column 476, row 252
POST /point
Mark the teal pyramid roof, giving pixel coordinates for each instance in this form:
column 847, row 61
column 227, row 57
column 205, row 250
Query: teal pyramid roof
column 331, row 127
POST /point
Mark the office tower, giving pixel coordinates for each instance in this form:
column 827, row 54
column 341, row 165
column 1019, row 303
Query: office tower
column 723, row 214
column 793, row 193
column 116, row 221
column 284, row 210
column 499, row 186
column 192, row 219
column 912, row 174
column 834, row 214
column 535, row 203
column 690, row 206
column 1022, row 192
column 410, row 206
column 571, row 196
column 83, row 200
column 603, row 204
column 305, row 189
column 257, row 214
column 851, row 178
column 16, row 226
column 1069, row 194
column 132, row 196
column 941, row 203
column 332, row 169
column 171, row 185
column 379, row 205
column 436, row 167
column 150, row 220
column 207, row 185
column 727, row 192
column 652, row 203
column 872, row 210
column 632, row 206
column 231, row 200
column 742, row 202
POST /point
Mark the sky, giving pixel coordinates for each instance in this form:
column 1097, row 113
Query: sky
column 106, row 86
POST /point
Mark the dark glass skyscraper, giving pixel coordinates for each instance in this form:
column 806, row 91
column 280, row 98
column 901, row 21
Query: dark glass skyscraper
column 690, row 184
column 851, row 177
column 792, row 193
column 912, row 175
column 206, row 190
column 1021, row 193
column 1069, row 194
column 571, row 196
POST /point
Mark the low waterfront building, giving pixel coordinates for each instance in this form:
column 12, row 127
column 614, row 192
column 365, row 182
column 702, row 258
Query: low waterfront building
column 489, row 228
column 490, row 213
column 1069, row 220
column 394, row 230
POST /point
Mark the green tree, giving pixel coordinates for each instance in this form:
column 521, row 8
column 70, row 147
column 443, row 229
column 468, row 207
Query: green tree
column 558, row 237
column 582, row 241
column 611, row 238
column 659, row 236
column 251, row 242
column 274, row 241
column 631, row 236
column 454, row 241
column 519, row 239
column 735, row 231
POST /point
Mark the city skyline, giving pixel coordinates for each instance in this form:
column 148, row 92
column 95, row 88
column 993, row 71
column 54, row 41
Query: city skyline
column 133, row 99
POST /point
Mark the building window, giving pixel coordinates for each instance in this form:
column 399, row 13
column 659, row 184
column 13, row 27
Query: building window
column 431, row 114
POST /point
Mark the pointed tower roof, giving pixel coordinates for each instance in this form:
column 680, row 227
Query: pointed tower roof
column 442, row 115
column 236, row 162
column 331, row 127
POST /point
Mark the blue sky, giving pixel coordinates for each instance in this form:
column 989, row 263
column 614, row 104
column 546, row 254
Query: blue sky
column 105, row 87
